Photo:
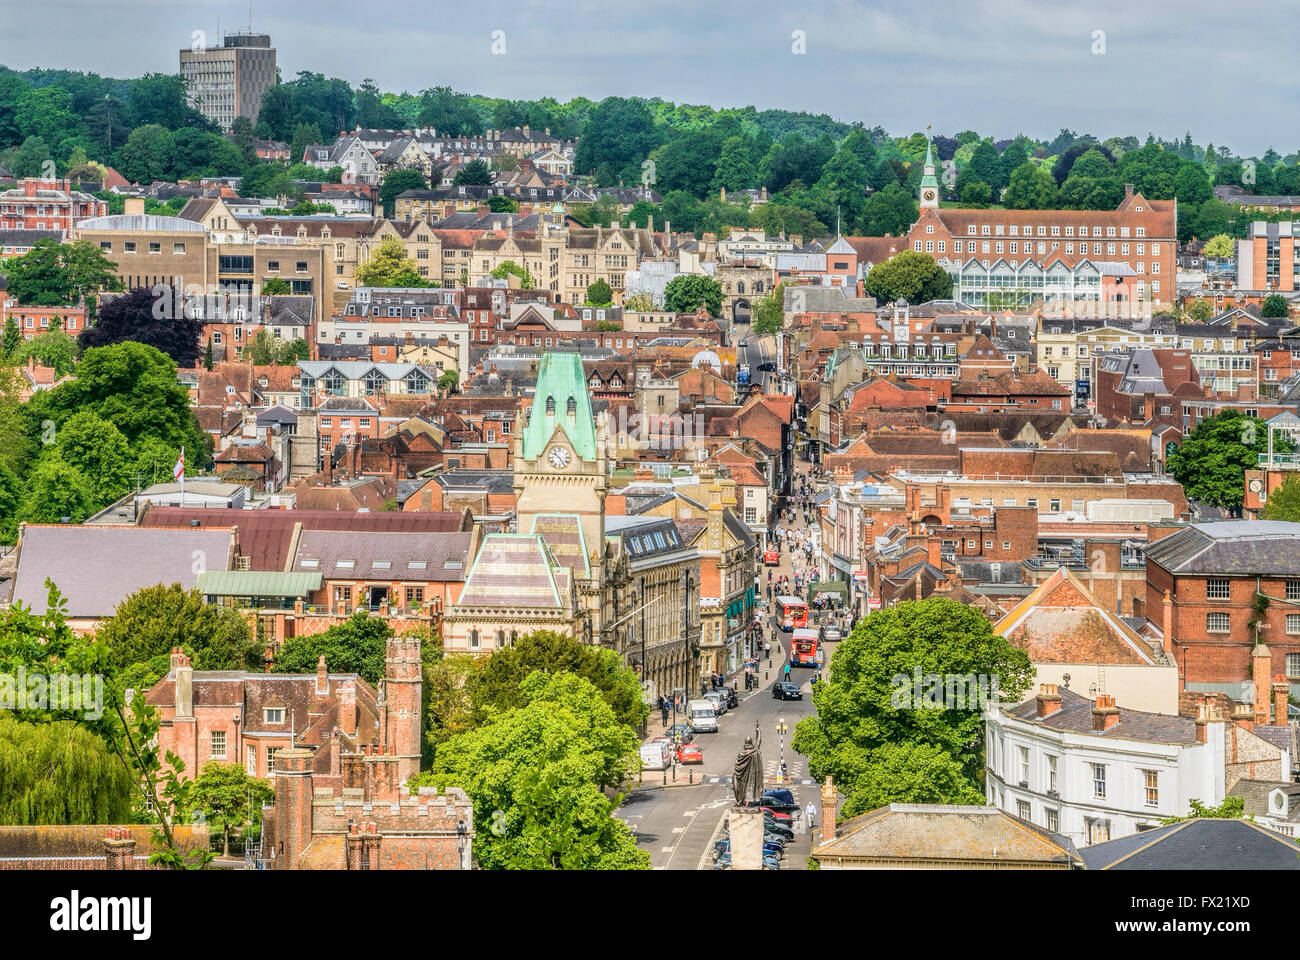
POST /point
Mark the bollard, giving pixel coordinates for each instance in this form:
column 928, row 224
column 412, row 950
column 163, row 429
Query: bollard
column 692, row 776
column 764, row 674
column 665, row 778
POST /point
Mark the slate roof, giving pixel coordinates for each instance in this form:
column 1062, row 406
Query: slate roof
column 383, row 556
column 1233, row 547
column 97, row 567
column 1075, row 716
column 513, row 570
column 1198, row 844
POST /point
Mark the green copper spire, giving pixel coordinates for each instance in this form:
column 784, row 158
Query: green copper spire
column 928, row 180
column 560, row 382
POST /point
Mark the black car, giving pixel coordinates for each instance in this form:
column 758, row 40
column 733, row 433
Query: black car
column 785, row 690
column 767, row 367
column 730, row 694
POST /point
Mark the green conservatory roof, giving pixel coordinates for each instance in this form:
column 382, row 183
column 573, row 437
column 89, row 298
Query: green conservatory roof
column 256, row 583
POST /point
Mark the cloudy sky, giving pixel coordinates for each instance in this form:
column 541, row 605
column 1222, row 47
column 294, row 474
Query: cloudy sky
column 1226, row 72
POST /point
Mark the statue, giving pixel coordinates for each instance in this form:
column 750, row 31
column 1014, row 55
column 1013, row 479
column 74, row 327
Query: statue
column 747, row 777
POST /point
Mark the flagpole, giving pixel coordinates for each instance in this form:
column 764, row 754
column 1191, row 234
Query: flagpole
column 182, row 475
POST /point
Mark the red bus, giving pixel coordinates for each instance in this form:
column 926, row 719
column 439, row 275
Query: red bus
column 805, row 649
column 791, row 613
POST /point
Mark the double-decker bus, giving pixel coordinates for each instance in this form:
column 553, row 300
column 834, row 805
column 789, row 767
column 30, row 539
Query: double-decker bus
column 791, row 613
column 805, row 649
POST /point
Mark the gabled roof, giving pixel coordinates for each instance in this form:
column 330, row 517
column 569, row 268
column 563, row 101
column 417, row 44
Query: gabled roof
column 1199, row 844
column 1231, row 547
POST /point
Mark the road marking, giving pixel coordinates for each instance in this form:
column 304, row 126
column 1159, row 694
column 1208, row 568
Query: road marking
column 666, row 849
column 679, row 829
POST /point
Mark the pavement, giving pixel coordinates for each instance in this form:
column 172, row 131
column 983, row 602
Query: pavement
column 676, row 815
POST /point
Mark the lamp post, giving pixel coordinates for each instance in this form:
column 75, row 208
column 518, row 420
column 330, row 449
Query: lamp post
column 781, row 729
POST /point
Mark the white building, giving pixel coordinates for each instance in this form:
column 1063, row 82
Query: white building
column 1093, row 771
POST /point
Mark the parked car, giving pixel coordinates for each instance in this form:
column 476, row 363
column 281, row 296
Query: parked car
column 681, row 732
column 690, row 753
column 702, row 715
column 770, row 826
column 785, row 690
column 779, row 798
column 779, row 816
column 767, row 367
column 743, row 342
column 831, row 633
column 723, row 862
column 730, row 693
column 719, row 700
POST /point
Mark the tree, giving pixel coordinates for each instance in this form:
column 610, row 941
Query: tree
column 153, row 621
column 1274, row 306
column 1200, row 311
column 55, row 490
column 735, row 169
column 59, row 773
column 32, row 158
column 229, row 798
column 687, row 292
column 397, row 182
column 1232, row 808
column 92, row 445
column 1031, row 188
column 54, row 274
column 389, row 266
column 619, row 134
column 1284, row 502
column 1212, row 461
column 885, row 741
column 892, row 210
column 448, row 706
column 54, row 349
column 537, row 775
column 147, row 155
column 599, row 294
column 142, row 316
column 1219, row 247
column 769, row 313
column 497, row 685
column 503, row 204
column 449, row 381
column 475, row 173
column 289, row 352
column 276, row 287
column 909, row 274
column 976, row 193
column 508, row 268
column 358, row 645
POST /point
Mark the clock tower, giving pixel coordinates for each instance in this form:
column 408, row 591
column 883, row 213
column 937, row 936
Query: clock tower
column 929, row 197
column 560, row 462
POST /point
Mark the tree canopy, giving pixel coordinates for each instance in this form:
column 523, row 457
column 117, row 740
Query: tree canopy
column 1212, row 460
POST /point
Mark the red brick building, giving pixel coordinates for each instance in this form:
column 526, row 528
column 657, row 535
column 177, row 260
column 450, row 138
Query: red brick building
column 47, row 204
column 33, row 321
column 1216, row 589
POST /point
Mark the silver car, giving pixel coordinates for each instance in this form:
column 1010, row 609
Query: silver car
column 718, row 699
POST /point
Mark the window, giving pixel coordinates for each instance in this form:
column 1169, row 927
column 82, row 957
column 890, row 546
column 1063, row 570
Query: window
column 155, row 247
column 217, row 745
column 1218, row 622
column 1293, row 664
column 1022, row 809
column 1217, row 590
column 1024, row 765
column 1099, row 780
column 1293, row 589
column 1151, row 787
column 178, row 248
column 1098, row 831
column 1032, row 502
column 270, row 758
column 414, row 596
column 1292, row 626
column 1052, row 819
column 128, row 246
column 1051, row 773
column 273, row 715
column 1055, row 505
column 250, row 760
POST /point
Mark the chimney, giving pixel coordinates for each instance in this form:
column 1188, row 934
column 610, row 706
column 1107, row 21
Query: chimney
column 830, row 804
column 322, row 678
column 134, row 206
column 1243, row 716
column 1167, row 641
column 184, row 684
column 119, row 849
column 1049, row 700
column 348, row 708
column 1104, row 713
column 1261, row 669
column 1281, row 700
column 1128, row 191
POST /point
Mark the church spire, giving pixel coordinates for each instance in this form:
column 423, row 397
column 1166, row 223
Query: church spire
column 929, row 184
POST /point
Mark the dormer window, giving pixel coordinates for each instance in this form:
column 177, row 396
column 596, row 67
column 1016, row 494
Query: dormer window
column 272, row 715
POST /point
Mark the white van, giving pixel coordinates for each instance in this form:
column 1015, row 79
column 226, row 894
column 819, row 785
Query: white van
column 702, row 715
column 656, row 755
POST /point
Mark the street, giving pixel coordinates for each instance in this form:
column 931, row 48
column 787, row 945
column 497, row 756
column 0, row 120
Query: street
column 678, row 822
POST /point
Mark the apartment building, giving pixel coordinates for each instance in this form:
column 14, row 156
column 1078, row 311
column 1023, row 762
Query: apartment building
column 228, row 81
column 1269, row 258
column 46, row 203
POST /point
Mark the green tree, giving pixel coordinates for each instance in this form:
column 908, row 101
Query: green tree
column 276, row 287
column 397, row 182
column 1200, row 311
column 96, row 448
column 892, row 210
column 154, row 620
column 508, row 268
column 503, row 204
column 54, row 274
column 599, row 294
column 56, row 490
column 358, row 645
column 32, row 158
column 538, row 774
column 1274, row 307
column 909, row 274
column 449, row 381
column 769, row 313
column 1212, row 461
column 1284, row 502
column 1031, row 188
column 54, row 349
column 475, row 173
column 13, row 338
column 59, row 773
column 229, row 798
column 448, row 706
column 976, row 193
column 1232, row 808
column 1220, row 247
column 389, row 266
column 147, row 155
column 735, row 169
column 687, row 292
column 884, row 740
column 497, row 684
column 289, row 352
column 619, row 134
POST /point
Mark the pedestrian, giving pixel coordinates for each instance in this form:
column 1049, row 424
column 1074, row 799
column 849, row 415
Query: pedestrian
column 704, row 688
column 787, row 671
column 664, row 710
column 767, row 649
column 811, row 813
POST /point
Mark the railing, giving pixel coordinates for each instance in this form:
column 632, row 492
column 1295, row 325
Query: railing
column 1280, row 460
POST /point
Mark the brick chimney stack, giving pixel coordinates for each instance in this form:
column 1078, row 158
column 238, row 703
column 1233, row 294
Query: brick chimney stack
column 293, row 788
column 1167, row 640
column 119, row 849
column 1281, row 700
column 322, row 678
column 1049, row 699
column 1104, row 713
column 1261, row 662
column 830, row 805
column 184, row 684
column 348, row 708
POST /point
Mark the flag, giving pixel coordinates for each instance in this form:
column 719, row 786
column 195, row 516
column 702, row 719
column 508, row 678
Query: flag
column 178, row 471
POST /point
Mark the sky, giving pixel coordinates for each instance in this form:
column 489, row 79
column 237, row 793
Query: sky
column 1000, row 67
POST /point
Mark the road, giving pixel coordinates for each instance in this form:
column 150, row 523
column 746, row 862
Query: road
column 677, row 823
column 759, row 350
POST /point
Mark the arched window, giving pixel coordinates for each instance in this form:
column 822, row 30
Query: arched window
column 740, row 286
column 501, row 639
column 571, row 408
column 473, row 639
column 550, row 406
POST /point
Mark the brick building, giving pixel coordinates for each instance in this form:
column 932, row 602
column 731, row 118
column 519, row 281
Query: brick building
column 46, row 204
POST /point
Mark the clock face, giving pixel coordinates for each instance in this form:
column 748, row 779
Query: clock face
column 559, row 457
column 929, row 194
